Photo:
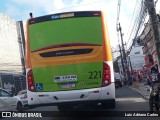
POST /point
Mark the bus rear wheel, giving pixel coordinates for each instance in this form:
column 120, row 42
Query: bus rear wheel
column 65, row 107
column 20, row 107
column 113, row 104
column 157, row 107
column 109, row 104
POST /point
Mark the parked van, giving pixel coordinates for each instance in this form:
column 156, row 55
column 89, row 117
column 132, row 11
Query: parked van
column 118, row 80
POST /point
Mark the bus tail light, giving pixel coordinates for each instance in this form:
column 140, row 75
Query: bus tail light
column 30, row 80
column 106, row 80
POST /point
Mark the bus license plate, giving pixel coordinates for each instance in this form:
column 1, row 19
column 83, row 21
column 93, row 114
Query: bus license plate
column 68, row 85
column 65, row 78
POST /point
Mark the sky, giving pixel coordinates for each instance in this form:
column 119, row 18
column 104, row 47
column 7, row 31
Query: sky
column 20, row 9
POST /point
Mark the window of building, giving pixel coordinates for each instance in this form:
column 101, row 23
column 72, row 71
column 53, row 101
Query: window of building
column 138, row 52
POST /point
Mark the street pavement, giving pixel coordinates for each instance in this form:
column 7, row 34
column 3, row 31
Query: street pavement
column 141, row 88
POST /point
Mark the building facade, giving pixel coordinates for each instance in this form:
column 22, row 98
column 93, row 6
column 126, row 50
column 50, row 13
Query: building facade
column 135, row 61
column 10, row 55
column 10, row 60
column 149, row 50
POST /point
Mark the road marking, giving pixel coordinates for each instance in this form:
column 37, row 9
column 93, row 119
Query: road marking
column 131, row 99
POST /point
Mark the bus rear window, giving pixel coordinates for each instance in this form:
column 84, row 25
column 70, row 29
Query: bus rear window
column 63, row 31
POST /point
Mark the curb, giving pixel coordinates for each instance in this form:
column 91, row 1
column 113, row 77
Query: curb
column 136, row 90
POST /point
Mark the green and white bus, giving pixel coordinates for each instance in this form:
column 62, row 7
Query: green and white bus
column 69, row 59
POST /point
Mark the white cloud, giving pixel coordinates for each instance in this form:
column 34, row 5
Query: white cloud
column 37, row 7
column 74, row 1
column 11, row 10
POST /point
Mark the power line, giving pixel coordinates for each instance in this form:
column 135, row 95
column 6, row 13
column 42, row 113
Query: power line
column 132, row 17
column 156, row 1
column 140, row 21
column 134, row 25
column 118, row 10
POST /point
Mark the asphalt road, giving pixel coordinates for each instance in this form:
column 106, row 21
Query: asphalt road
column 126, row 100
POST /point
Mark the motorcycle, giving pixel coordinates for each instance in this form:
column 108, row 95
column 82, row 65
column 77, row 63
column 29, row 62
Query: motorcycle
column 116, row 85
column 155, row 100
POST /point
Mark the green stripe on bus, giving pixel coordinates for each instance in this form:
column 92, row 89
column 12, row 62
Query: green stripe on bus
column 89, row 75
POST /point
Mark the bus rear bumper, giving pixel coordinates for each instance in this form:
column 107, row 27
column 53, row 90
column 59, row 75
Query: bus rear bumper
column 94, row 95
column 76, row 103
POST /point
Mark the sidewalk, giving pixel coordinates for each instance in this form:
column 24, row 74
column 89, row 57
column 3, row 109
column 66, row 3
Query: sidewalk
column 140, row 88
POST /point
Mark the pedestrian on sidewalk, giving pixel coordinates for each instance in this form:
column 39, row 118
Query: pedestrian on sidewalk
column 154, row 83
column 130, row 80
column 139, row 77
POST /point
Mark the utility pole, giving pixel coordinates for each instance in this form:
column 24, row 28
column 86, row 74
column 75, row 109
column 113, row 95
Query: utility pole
column 21, row 40
column 130, row 64
column 154, row 27
column 124, row 54
column 122, row 62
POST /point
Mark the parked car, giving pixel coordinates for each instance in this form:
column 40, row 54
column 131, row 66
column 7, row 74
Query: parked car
column 7, row 101
column 118, row 81
column 22, row 101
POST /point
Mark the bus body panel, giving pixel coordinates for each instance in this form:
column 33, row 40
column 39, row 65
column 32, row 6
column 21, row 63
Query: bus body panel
column 54, row 73
column 78, row 54
column 68, row 77
column 86, row 68
column 98, row 94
